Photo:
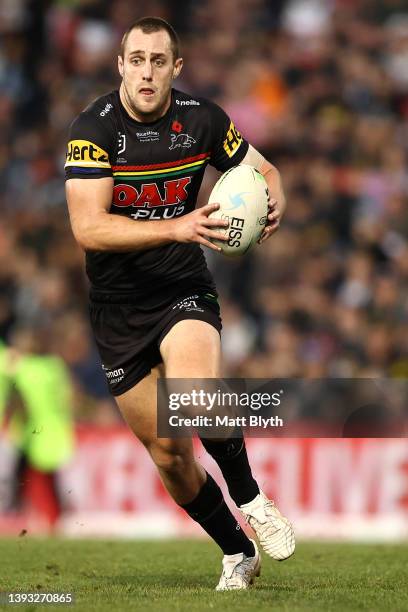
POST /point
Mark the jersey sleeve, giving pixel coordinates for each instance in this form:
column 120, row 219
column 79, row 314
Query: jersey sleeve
column 228, row 146
column 90, row 149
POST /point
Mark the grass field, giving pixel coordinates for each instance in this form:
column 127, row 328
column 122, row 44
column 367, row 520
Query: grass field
column 170, row 576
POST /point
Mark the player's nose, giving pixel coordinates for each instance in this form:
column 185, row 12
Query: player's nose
column 147, row 71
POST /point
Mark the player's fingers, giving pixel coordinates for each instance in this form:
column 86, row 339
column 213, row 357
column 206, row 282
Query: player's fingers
column 273, row 216
column 208, row 233
column 268, row 231
column 207, row 222
column 272, row 203
column 266, row 235
column 209, row 208
column 209, row 244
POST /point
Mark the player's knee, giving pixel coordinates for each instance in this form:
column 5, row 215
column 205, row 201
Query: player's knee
column 170, row 455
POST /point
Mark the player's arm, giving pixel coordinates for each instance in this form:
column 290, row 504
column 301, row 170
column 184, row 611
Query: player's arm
column 95, row 229
column 277, row 202
column 231, row 149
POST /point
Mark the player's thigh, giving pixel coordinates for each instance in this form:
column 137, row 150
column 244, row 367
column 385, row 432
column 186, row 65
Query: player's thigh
column 138, row 407
column 191, row 349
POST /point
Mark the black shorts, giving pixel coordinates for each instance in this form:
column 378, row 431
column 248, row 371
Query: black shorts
column 128, row 331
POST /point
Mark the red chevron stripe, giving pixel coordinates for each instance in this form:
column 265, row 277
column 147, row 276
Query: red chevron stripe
column 186, row 160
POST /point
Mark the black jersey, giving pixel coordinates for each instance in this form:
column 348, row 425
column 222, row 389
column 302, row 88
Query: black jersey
column 157, row 170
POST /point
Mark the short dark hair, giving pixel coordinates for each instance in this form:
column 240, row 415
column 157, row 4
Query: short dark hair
column 149, row 25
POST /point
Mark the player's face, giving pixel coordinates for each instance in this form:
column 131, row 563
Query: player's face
column 147, row 70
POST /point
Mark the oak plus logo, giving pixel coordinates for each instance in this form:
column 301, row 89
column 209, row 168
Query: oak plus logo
column 152, row 202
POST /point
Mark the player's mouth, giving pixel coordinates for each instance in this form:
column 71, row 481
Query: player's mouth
column 146, row 91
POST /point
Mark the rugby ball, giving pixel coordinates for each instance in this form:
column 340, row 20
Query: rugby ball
column 242, row 194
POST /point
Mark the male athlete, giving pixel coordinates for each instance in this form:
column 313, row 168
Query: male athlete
column 135, row 163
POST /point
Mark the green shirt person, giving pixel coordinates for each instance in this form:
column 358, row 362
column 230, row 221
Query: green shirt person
column 43, row 429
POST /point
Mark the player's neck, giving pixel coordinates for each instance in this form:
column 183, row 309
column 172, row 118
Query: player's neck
column 137, row 115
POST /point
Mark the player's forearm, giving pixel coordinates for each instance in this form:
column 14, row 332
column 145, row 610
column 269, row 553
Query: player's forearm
column 274, row 182
column 109, row 232
column 271, row 175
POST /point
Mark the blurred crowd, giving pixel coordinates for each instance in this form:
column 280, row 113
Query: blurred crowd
column 320, row 87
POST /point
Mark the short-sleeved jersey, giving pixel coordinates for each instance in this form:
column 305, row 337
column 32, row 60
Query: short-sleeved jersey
column 157, row 170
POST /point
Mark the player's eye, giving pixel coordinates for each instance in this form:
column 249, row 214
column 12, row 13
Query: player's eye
column 136, row 61
column 159, row 62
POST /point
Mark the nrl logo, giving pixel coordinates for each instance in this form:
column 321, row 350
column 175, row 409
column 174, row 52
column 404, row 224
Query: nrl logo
column 181, row 140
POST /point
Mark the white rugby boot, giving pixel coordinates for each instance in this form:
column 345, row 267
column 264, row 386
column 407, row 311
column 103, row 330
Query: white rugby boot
column 274, row 531
column 239, row 571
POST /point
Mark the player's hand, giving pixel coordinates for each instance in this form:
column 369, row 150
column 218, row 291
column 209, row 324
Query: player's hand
column 273, row 222
column 197, row 227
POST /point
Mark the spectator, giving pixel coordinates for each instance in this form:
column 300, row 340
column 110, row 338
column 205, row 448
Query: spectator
column 319, row 87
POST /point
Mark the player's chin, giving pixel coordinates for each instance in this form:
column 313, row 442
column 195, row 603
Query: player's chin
column 144, row 99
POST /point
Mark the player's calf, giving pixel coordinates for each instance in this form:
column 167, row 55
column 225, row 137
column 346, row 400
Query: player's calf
column 182, row 476
column 232, row 459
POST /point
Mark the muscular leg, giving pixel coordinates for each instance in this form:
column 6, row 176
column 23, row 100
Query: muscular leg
column 181, row 475
column 192, row 349
column 187, row 482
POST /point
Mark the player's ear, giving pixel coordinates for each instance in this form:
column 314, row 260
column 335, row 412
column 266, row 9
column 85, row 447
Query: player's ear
column 178, row 64
column 120, row 65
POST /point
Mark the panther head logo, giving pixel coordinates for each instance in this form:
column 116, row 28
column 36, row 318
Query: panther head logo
column 181, row 140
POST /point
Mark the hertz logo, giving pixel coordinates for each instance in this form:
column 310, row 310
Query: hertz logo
column 86, row 154
column 233, row 140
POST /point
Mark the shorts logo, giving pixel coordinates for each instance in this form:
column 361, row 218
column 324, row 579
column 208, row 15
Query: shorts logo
column 83, row 153
column 181, row 140
column 232, row 141
column 114, row 376
column 188, row 304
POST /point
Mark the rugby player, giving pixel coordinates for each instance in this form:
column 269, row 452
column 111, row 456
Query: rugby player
column 135, row 162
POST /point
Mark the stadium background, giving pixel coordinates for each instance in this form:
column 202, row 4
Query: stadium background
column 321, row 88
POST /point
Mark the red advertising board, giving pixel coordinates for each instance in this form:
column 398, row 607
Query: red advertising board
column 355, row 488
